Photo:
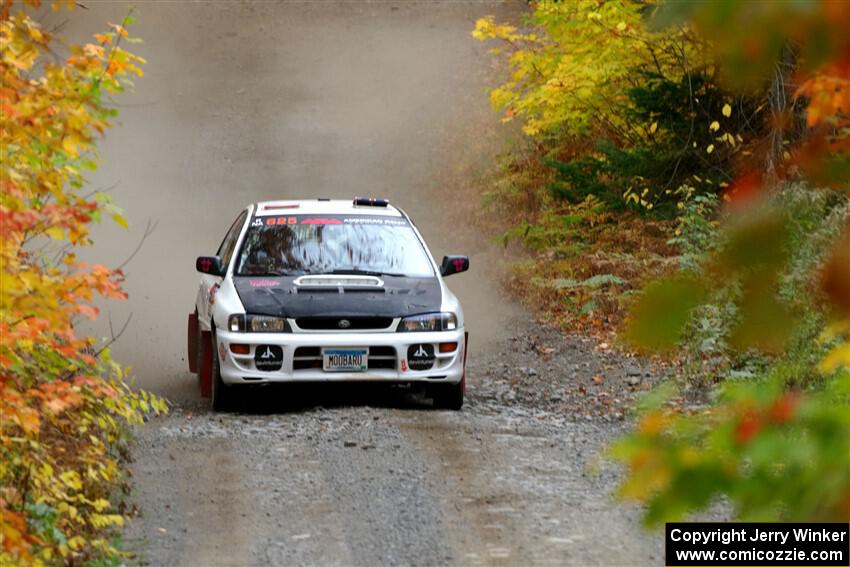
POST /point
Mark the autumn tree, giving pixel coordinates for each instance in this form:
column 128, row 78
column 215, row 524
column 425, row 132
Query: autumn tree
column 776, row 446
column 64, row 402
column 725, row 126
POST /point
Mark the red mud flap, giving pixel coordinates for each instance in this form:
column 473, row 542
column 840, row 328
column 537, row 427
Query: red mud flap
column 465, row 350
column 192, row 342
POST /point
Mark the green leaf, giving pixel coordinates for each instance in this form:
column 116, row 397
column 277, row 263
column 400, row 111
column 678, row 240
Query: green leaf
column 661, row 312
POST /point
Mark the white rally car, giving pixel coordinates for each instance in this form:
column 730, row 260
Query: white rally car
column 326, row 290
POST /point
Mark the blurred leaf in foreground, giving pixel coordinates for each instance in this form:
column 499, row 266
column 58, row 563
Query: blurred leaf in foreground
column 776, row 446
column 662, row 311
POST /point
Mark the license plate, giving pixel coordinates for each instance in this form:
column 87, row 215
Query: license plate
column 345, row 359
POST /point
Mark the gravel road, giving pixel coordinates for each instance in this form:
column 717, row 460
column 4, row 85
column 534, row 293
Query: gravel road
column 247, row 101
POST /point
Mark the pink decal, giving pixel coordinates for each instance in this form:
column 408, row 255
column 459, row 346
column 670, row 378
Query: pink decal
column 206, row 264
column 321, row 221
column 458, row 264
column 263, row 283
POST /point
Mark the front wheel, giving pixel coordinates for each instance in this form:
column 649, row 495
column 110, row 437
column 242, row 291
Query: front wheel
column 222, row 394
column 206, row 355
column 449, row 396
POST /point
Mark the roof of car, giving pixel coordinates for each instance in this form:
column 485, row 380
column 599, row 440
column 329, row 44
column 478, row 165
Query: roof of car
column 323, row 206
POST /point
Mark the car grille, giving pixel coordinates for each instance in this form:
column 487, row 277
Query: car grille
column 333, row 323
column 380, row 357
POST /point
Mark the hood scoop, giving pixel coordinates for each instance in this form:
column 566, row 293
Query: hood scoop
column 331, row 283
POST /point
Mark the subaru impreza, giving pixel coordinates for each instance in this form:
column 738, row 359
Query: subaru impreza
column 326, row 291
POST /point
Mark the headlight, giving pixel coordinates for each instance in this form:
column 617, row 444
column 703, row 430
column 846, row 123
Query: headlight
column 257, row 324
column 428, row 322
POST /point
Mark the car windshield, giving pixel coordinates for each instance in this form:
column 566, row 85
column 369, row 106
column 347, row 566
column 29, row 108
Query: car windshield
column 296, row 245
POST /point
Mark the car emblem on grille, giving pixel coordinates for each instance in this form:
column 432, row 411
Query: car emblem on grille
column 344, row 323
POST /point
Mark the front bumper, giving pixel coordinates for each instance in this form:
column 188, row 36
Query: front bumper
column 241, row 368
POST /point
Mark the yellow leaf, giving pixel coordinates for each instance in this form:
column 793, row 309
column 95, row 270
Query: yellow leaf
column 55, row 233
column 120, row 220
column 709, row 149
column 715, row 126
column 653, row 127
column 69, row 144
column 837, row 357
column 727, row 110
column 621, row 26
column 72, row 480
column 76, row 542
column 835, row 329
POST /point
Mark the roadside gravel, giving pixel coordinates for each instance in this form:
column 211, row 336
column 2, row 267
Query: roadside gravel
column 572, row 377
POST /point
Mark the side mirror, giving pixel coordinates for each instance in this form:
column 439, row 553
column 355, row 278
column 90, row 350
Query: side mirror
column 454, row 265
column 209, row 265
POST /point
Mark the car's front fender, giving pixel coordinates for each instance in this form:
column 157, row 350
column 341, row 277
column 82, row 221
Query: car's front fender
column 225, row 303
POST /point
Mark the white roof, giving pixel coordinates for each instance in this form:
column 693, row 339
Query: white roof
column 317, row 207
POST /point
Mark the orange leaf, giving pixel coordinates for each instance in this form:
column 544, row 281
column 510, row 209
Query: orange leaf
column 89, row 311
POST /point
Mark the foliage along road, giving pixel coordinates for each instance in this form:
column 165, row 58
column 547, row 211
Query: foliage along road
column 250, row 101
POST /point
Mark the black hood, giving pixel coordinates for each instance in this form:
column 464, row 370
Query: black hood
column 401, row 296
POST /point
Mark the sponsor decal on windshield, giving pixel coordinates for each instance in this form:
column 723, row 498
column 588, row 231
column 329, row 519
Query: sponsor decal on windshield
column 272, row 221
column 327, row 220
column 375, row 220
column 320, row 221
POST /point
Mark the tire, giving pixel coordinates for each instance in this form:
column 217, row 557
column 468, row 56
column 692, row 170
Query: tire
column 450, row 396
column 205, row 362
column 222, row 395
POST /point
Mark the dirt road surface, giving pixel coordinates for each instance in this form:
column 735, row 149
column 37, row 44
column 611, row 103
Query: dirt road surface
column 248, row 101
